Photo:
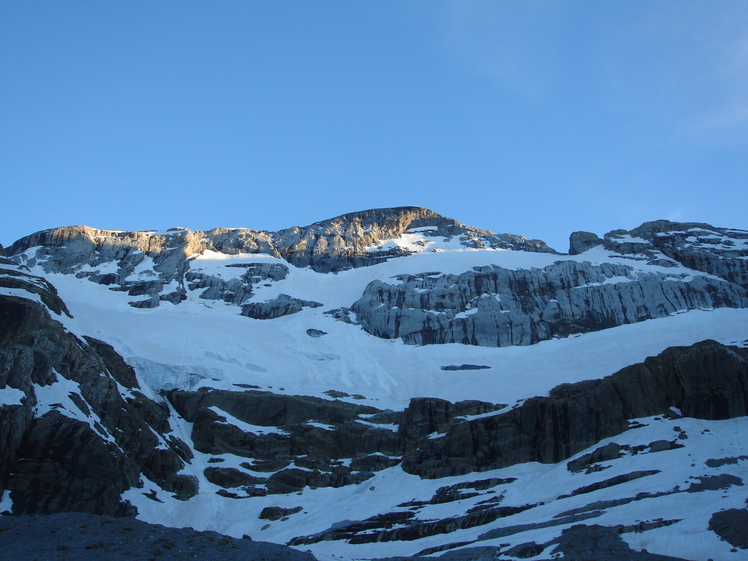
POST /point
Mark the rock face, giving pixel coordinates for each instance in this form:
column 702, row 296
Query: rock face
column 702, row 247
column 731, row 525
column 81, row 431
column 496, row 307
column 283, row 305
column 427, row 415
column 316, row 435
column 706, row 381
column 237, row 290
column 276, row 431
column 579, row 242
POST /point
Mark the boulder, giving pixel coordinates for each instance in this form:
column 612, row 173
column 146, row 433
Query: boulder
column 579, row 242
column 277, row 512
column 283, row 305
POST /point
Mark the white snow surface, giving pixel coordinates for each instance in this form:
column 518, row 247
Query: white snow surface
column 6, row 503
column 246, row 427
column 10, row 396
column 207, row 343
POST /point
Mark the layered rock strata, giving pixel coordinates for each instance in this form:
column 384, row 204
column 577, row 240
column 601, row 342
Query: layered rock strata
column 496, row 307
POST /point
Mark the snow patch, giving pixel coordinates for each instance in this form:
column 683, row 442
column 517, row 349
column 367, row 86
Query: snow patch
column 165, row 377
column 10, row 396
column 246, row 427
column 6, row 503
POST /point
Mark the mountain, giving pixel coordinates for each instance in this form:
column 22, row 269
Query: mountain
column 383, row 384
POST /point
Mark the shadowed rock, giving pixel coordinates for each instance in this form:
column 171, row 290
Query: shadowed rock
column 81, row 456
column 707, row 381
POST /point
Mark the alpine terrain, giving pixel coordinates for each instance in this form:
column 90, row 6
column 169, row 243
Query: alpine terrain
column 385, row 384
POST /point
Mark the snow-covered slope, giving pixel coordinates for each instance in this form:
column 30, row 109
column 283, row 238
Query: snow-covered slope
column 203, row 313
column 207, row 343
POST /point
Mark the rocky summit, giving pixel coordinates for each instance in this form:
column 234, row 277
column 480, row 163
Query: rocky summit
column 386, row 384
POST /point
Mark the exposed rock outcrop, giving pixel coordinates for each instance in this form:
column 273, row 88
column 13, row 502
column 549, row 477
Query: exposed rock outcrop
column 496, row 307
column 579, row 242
column 277, row 512
column 277, row 430
column 702, row 247
column 331, row 245
column 732, row 526
column 283, row 305
column 706, row 381
column 428, row 415
column 235, row 290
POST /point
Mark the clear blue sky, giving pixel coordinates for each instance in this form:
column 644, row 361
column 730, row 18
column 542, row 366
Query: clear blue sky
column 535, row 118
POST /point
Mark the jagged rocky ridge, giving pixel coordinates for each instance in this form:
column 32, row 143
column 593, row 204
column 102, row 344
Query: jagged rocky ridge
column 328, row 246
column 656, row 270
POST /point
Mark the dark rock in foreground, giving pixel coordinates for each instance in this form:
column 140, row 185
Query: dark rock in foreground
column 86, row 537
column 578, row 543
column 732, row 526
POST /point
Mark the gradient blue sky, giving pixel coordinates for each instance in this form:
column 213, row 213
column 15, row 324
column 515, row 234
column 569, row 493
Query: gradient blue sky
column 535, row 118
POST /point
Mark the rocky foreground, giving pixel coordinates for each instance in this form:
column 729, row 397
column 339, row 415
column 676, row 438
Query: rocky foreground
column 86, row 537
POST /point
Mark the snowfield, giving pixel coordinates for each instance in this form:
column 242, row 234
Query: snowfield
column 200, row 343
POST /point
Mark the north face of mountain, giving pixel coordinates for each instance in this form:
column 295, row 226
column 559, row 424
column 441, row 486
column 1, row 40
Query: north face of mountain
column 385, row 383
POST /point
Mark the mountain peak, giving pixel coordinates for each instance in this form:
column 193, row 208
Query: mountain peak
column 347, row 241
